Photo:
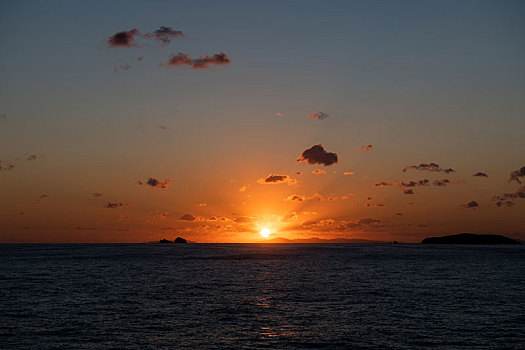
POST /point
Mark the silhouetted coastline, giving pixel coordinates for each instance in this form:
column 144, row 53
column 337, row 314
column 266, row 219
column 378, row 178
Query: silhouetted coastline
column 470, row 238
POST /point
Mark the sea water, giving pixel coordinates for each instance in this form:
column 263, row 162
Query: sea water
column 256, row 296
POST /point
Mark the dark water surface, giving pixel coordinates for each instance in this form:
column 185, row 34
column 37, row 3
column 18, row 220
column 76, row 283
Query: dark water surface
column 232, row 296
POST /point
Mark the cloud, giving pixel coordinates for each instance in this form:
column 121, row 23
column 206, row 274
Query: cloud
column 155, row 183
column 162, row 127
column 165, row 35
column 471, row 204
column 112, row 205
column 429, row 167
column 479, row 173
column 243, row 220
column 124, row 67
column 367, row 222
column 97, row 195
column 406, row 187
column 516, row 174
column 44, row 196
column 202, row 204
column 187, row 217
column 125, row 38
column 316, row 197
column 295, row 198
column 445, row 182
column 32, row 157
column 318, row 115
column 273, row 179
column 278, row 114
column 367, row 148
column 318, row 155
column 242, row 189
column 507, row 199
column 319, row 172
column 203, row 62
column 6, row 167
column 348, row 173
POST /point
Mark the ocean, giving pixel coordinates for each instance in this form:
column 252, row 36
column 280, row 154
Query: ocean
column 257, row 296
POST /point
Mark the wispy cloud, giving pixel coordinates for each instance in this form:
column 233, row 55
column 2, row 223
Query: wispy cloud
column 165, row 35
column 115, row 205
column 480, row 174
column 202, row 62
column 318, row 155
column 187, row 217
column 367, row 148
column 318, row 115
column 507, row 199
column 127, row 38
column 471, row 205
column 7, row 167
column 273, row 179
column 318, row 172
column 429, row 167
column 516, row 174
column 155, row 183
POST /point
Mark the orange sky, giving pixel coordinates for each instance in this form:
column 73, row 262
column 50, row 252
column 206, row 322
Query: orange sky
column 391, row 122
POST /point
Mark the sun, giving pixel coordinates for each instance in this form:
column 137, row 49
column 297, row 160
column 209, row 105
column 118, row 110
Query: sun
column 265, row 232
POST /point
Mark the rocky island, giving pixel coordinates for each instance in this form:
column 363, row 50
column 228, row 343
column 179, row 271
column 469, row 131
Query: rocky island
column 470, row 238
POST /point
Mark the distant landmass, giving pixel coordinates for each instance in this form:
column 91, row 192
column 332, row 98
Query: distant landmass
column 470, row 238
column 319, row 240
column 177, row 240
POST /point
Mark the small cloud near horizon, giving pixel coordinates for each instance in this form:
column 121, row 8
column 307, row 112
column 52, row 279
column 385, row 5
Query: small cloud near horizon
column 367, row 148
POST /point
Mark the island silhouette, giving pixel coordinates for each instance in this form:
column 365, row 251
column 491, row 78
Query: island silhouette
column 470, row 238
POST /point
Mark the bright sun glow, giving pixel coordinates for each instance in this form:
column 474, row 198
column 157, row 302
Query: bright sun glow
column 265, row 233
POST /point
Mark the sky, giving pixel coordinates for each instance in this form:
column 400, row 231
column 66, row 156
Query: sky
column 131, row 121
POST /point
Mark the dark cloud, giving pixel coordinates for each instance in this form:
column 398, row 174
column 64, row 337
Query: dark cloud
column 507, row 199
column 155, row 183
column 187, row 217
column 367, row 148
column 44, row 196
column 406, row 187
column 273, row 179
column 516, row 174
column 125, row 38
column 318, row 155
column 471, row 204
column 96, row 195
column 162, row 127
column 480, row 174
column 203, row 62
column 399, row 214
column 445, row 182
column 429, row 167
column 32, row 157
column 111, row 205
column 165, row 35
column 318, row 115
